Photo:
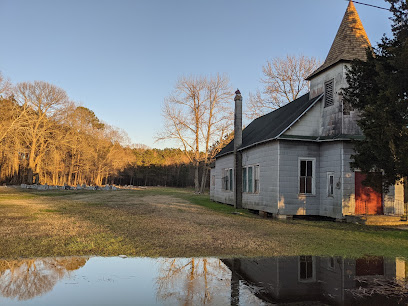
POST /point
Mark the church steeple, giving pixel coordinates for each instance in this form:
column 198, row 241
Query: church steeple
column 350, row 42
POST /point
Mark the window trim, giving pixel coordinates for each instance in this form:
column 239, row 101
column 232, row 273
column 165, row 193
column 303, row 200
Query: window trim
column 330, row 193
column 228, row 185
column 313, row 278
column 246, row 186
column 313, row 159
column 250, row 179
column 331, row 263
column 231, row 182
column 257, row 177
column 244, row 180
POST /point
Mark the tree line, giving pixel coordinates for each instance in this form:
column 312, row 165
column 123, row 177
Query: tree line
column 46, row 138
column 159, row 167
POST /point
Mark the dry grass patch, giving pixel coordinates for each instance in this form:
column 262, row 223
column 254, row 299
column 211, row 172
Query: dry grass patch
column 165, row 222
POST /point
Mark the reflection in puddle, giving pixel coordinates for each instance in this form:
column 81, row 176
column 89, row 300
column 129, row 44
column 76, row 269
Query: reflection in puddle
column 204, row 281
column 28, row 278
column 192, row 281
column 328, row 280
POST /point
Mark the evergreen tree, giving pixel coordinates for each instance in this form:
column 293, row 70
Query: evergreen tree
column 378, row 89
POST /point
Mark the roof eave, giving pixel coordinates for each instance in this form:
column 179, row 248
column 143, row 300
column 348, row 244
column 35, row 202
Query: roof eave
column 317, row 72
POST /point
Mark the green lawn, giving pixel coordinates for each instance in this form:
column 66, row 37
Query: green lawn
column 170, row 222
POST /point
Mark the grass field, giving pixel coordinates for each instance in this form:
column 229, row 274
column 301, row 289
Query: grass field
column 169, row 222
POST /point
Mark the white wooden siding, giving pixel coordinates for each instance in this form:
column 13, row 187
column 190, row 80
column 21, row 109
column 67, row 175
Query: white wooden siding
column 310, row 123
column 218, row 193
column 330, row 161
column 266, row 156
column 348, row 180
column 290, row 201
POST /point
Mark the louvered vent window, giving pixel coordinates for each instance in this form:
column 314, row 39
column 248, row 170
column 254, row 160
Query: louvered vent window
column 328, row 93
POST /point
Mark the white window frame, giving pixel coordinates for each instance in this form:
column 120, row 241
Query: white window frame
column 250, row 188
column 224, row 179
column 227, row 185
column 311, row 279
column 250, row 178
column 313, row 159
column 231, row 177
column 244, row 180
column 330, row 188
column 331, row 263
column 256, row 178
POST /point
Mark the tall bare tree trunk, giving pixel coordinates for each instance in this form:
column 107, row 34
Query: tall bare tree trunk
column 71, row 170
column 196, row 181
column 204, row 178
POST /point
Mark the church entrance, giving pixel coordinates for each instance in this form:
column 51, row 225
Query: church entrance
column 368, row 201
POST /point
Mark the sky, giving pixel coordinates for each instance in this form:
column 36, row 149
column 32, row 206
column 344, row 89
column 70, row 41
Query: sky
column 121, row 59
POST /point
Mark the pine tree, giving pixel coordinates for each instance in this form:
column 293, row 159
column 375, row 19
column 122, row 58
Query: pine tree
column 378, row 89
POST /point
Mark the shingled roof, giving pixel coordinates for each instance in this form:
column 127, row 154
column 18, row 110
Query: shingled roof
column 272, row 125
column 350, row 43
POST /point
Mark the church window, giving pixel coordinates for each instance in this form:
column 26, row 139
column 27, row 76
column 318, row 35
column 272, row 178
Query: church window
column 330, row 184
column 306, row 269
column 228, row 179
column 244, row 179
column 306, row 176
column 250, row 179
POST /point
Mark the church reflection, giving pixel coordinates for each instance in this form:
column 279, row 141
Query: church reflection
column 28, row 278
column 328, row 280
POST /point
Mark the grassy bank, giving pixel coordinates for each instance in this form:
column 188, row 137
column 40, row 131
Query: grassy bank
column 169, row 222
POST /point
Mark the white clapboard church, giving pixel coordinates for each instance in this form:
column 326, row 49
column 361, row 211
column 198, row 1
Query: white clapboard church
column 296, row 159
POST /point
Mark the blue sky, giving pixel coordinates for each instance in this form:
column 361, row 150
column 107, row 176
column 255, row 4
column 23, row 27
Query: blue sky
column 122, row 58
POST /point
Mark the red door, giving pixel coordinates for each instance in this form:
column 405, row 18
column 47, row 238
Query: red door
column 368, row 201
column 372, row 265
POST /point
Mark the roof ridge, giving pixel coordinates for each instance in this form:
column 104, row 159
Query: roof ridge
column 283, row 106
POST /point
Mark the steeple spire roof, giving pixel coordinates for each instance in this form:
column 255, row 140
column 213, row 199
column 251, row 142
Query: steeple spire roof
column 350, row 42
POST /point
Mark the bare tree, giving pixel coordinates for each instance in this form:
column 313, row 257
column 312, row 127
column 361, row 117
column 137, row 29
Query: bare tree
column 5, row 87
column 192, row 281
column 45, row 135
column 27, row 278
column 10, row 113
column 283, row 81
column 44, row 102
column 196, row 115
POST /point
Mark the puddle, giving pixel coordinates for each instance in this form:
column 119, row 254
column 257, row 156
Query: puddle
column 304, row 280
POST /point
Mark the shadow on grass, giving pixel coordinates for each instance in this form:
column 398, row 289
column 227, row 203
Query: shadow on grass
column 142, row 229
